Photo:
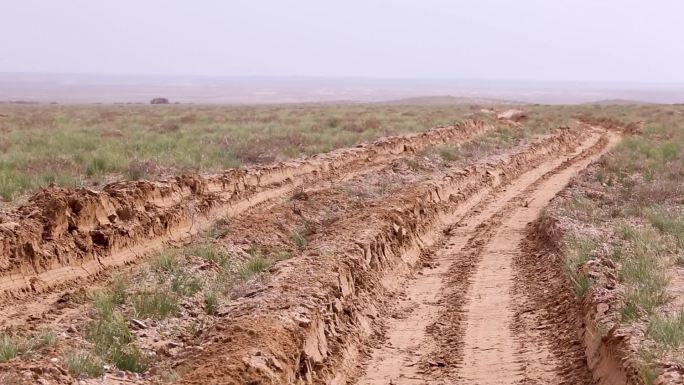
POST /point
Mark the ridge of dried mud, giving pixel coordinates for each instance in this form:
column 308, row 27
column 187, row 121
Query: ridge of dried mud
column 62, row 235
column 317, row 319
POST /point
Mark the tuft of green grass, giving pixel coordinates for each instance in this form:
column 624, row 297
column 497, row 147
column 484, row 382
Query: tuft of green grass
column 130, row 358
column 111, row 337
column 108, row 334
column 166, row 261
column 647, row 373
column 298, row 239
column 642, row 272
column 254, row 249
column 45, row 337
column 10, row 347
column 119, row 290
column 158, row 304
column 78, row 362
column 578, row 252
column 211, row 302
column 254, row 265
column 103, row 303
column 96, row 166
column 667, row 331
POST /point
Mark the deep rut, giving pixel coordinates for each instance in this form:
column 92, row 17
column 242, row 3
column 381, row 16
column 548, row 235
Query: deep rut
column 456, row 321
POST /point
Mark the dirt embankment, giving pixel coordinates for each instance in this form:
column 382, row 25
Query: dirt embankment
column 609, row 357
column 62, row 235
column 314, row 322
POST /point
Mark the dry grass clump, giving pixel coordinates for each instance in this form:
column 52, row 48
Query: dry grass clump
column 81, row 361
column 14, row 345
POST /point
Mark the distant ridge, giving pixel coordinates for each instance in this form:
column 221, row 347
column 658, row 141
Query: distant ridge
column 617, row 102
column 448, row 100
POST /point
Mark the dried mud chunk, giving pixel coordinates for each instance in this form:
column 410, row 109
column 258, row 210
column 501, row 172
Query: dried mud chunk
column 125, row 213
column 55, row 220
column 316, row 344
column 346, row 283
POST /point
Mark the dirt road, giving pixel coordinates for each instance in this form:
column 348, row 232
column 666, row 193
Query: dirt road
column 481, row 336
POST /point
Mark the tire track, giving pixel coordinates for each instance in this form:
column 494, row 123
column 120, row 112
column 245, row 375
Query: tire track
column 476, row 326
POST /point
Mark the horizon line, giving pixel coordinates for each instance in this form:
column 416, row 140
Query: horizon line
column 345, row 77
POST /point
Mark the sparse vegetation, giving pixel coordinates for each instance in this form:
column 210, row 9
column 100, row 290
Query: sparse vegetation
column 108, row 331
column 298, row 239
column 667, row 331
column 166, row 261
column 46, row 337
column 12, row 345
column 111, row 338
column 185, row 284
column 578, row 252
column 211, row 254
column 254, row 265
column 129, row 357
column 637, row 210
column 81, row 361
column 159, row 303
column 118, row 290
column 219, row 229
column 211, row 302
column 9, row 347
column 643, row 273
column 73, row 145
column 644, row 237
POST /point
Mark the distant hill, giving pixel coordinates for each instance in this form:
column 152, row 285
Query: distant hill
column 616, row 102
column 448, row 100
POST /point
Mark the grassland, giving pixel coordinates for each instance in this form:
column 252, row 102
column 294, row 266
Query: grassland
column 91, row 144
column 85, row 145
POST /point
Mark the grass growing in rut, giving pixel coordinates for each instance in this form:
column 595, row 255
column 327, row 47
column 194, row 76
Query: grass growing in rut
column 111, row 338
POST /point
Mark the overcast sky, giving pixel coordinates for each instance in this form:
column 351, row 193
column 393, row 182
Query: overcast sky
column 562, row 40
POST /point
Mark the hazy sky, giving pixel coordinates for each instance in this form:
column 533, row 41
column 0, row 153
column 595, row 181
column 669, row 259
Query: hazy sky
column 580, row 40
